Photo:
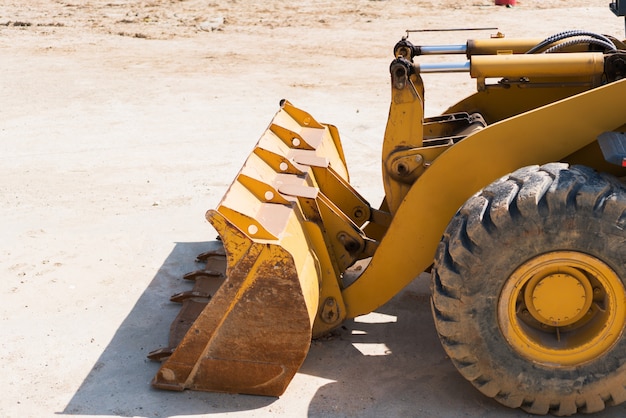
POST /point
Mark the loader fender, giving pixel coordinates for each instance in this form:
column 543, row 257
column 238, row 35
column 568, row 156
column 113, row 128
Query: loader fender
column 546, row 134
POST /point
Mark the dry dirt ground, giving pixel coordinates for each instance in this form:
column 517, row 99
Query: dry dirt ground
column 123, row 121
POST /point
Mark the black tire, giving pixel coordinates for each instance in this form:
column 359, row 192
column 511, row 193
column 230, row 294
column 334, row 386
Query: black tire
column 555, row 215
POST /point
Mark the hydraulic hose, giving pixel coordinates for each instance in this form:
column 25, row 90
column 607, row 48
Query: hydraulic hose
column 578, row 41
column 606, row 42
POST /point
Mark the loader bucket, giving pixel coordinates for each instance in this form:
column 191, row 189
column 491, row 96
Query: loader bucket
column 246, row 326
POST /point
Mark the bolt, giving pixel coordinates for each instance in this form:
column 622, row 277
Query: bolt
column 402, row 169
column 349, row 243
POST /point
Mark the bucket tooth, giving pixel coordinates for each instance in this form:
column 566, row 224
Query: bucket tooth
column 184, row 320
column 194, row 275
column 183, row 296
column 160, row 354
column 206, row 283
column 203, row 257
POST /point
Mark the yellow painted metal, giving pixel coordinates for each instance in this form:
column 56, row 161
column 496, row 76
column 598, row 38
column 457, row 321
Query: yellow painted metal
column 558, row 297
column 500, row 45
column 579, row 64
column 404, row 130
column 496, row 104
column 562, row 308
column 290, row 224
column 404, row 157
column 279, row 197
column 538, row 136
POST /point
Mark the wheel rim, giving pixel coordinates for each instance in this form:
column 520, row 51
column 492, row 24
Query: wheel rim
column 562, row 308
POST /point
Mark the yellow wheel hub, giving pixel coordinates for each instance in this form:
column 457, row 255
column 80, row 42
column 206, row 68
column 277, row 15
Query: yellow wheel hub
column 561, row 298
column 562, row 308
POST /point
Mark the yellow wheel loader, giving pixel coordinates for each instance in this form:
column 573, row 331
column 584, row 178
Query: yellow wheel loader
column 514, row 199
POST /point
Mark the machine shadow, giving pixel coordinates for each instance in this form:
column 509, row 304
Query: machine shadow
column 119, row 381
column 402, row 374
column 388, row 363
column 392, row 362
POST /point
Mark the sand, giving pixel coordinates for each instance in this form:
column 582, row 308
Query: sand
column 123, row 121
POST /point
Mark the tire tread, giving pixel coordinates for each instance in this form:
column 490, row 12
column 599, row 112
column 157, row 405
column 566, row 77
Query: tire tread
column 524, row 197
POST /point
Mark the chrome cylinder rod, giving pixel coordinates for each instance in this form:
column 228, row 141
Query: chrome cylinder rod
column 443, row 49
column 443, row 67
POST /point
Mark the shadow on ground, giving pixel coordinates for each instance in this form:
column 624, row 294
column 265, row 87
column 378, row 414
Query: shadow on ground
column 388, row 363
column 119, row 382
